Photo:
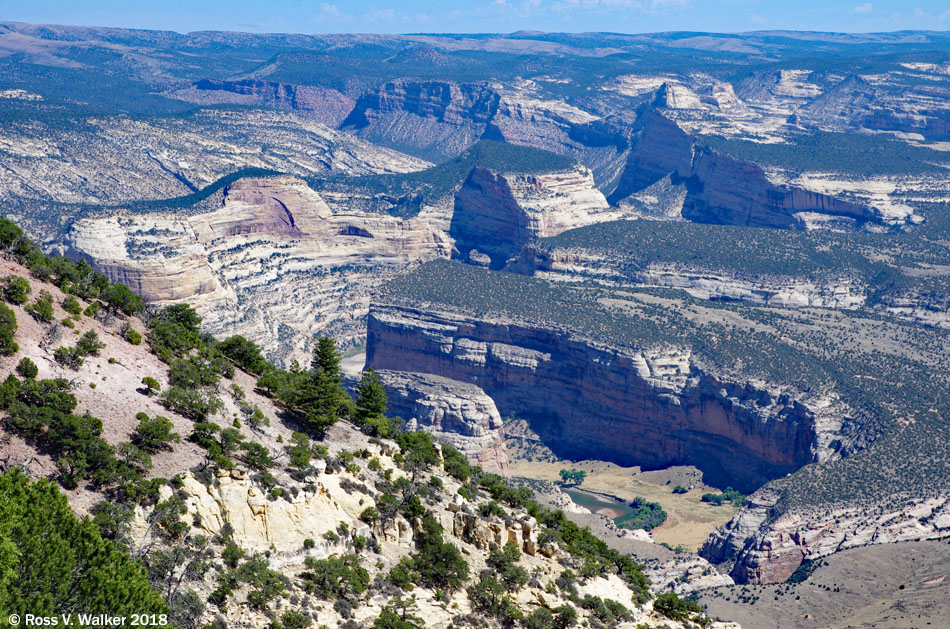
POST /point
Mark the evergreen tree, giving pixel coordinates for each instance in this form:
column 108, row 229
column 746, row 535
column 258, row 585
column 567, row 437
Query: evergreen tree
column 324, row 400
column 51, row 562
column 370, row 407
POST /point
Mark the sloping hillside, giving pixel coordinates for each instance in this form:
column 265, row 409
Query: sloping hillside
column 273, row 498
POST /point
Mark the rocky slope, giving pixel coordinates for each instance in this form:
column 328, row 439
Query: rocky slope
column 117, row 159
column 456, row 412
column 266, row 530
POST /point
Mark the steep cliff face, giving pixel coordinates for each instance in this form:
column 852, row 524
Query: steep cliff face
column 457, row 412
column 327, row 106
column 882, row 103
column 498, row 213
column 647, row 407
column 729, row 191
column 767, row 549
column 273, row 262
column 725, row 190
column 439, row 120
column 431, row 117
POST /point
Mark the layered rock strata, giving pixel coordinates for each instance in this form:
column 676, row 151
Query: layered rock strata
column 653, row 408
column 273, row 262
column 768, row 549
column 497, row 213
column 456, row 412
column 721, row 189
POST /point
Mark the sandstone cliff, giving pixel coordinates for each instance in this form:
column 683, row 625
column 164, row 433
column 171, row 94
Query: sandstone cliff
column 497, row 213
column 721, row 189
column 649, row 407
column 456, row 412
column 269, row 238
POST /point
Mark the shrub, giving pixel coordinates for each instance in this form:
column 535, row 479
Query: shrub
column 16, row 290
column 438, row 563
column 245, row 354
column 504, row 562
column 154, row 433
column 71, row 305
column 8, row 328
column 150, row 385
column 675, row 608
column 679, row 489
column 196, row 404
column 27, row 368
column 370, row 515
column 130, row 334
column 456, row 464
column 335, row 577
column 42, row 308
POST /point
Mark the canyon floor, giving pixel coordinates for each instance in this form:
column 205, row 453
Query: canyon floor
column 689, row 521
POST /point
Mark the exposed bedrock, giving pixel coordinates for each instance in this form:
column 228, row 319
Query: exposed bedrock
column 323, row 105
column 457, row 412
column 653, row 408
column 766, row 544
column 273, row 262
column 498, row 213
column 722, row 189
column 440, row 119
column 703, row 283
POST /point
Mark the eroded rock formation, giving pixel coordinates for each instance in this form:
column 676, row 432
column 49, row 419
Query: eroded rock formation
column 273, row 262
column 653, row 408
column 498, row 213
column 457, row 412
column 766, row 549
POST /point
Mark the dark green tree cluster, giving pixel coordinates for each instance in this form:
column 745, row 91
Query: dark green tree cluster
column 16, row 290
column 319, row 398
column 53, row 563
column 335, row 577
column 42, row 308
column 644, row 515
column 74, row 357
column 675, row 608
column 75, row 278
column 41, row 411
column 730, row 495
column 572, row 477
column 8, row 328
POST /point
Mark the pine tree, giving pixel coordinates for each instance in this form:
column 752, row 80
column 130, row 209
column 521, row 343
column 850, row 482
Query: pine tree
column 61, row 564
column 371, row 404
column 324, row 400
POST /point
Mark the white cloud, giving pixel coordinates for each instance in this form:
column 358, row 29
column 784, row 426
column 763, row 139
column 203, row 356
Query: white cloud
column 864, row 7
column 332, row 12
column 380, row 15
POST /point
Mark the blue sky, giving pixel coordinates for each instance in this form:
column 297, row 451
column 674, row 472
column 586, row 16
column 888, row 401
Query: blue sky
column 380, row 16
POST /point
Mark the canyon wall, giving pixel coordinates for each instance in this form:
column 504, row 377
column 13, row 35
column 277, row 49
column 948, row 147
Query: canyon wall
column 653, row 408
column 767, row 545
column 496, row 214
column 722, row 189
column 456, row 412
column 273, row 262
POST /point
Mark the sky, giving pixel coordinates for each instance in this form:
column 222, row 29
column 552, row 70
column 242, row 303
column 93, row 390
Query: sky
column 486, row 16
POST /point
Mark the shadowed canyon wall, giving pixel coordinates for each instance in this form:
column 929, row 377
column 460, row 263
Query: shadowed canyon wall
column 587, row 400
